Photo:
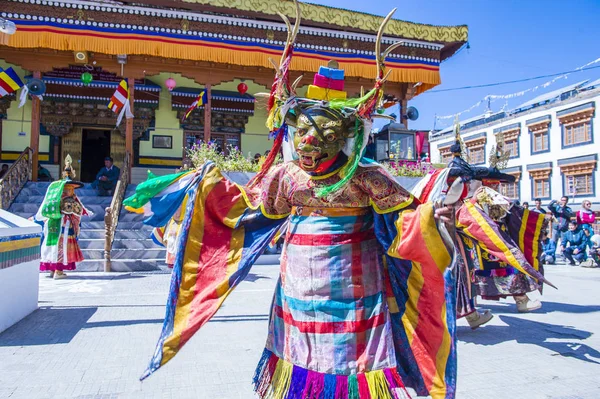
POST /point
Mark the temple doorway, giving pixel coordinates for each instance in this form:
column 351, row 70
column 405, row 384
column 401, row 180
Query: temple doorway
column 95, row 147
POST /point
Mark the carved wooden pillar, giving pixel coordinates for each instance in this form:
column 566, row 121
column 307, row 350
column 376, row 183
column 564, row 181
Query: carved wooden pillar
column 207, row 113
column 129, row 128
column 403, row 118
column 34, row 139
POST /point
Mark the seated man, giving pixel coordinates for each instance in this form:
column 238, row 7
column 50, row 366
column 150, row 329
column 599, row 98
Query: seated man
column 44, row 174
column 549, row 249
column 577, row 241
column 106, row 179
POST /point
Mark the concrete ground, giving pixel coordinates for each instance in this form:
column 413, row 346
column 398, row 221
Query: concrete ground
column 94, row 334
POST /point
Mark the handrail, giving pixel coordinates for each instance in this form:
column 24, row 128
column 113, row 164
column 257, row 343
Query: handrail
column 111, row 215
column 15, row 178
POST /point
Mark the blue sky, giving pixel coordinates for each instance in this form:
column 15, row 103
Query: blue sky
column 508, row 39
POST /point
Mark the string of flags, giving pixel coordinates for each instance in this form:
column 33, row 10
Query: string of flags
column 493, row 97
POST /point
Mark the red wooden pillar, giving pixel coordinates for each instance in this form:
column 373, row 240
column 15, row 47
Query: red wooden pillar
column 207, row 113
column 34, row 138
column 129, row 127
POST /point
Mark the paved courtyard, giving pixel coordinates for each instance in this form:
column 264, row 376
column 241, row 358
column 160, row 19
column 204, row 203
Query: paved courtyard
column 94, row 333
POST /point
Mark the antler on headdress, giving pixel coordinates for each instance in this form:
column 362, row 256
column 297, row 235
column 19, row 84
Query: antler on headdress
column 282, row 94
column 375, row 96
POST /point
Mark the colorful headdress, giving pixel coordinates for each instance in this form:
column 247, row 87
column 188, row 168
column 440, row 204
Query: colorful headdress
column 327, row 91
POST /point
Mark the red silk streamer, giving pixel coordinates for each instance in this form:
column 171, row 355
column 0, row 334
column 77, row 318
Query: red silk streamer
column 270, row 158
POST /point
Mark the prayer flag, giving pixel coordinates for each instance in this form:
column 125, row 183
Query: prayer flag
column 200, row 101
column 9, row 82
column 119, row 102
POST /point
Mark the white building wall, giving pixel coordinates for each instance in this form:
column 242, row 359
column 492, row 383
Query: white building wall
column 555, row 139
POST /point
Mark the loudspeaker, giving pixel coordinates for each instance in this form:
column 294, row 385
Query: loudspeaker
column 36, row 87
column 412, row 113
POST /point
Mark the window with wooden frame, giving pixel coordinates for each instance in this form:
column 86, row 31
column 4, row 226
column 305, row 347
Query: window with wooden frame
column 576, row 125
column 445, row 154
column 541, row 141
column 476, row 150
column 511, row 190
column 540, row 134
column 477, row 155
column 510, row 139
column 577, row 133
column 512, row 146
column 540, row 182
column 541, row 188
column 579, row 178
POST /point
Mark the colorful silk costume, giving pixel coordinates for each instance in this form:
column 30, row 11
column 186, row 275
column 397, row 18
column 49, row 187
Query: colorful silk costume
column 365, row 301
column 61, row 212
column 498, row 245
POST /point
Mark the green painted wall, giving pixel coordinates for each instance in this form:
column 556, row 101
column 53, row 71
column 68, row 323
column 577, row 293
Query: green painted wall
column 255, row 139
column 19, row 120
column 167, row 123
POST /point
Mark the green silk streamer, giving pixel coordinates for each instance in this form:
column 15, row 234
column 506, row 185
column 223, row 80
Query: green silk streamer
column 350, row 168
column 51, row 211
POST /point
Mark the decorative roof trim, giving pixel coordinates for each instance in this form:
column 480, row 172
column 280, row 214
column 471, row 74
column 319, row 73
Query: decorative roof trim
column 412, row 32
column 577, row 160
column 539, row 166
column 193, row 33
column 96, row 84
column 94, row 98
column 508, row 128
column 575, row 110
column 245, row 111
column 475, row 137
column 196, row 92
column 512, row 171
column 539, row 120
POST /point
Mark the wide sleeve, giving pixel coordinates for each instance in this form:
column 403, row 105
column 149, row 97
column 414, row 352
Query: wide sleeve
column 221, row 236
column 518, row 247
column 419, row 288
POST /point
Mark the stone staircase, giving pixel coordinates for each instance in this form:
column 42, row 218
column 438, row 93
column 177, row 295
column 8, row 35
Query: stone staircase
column 133, row 249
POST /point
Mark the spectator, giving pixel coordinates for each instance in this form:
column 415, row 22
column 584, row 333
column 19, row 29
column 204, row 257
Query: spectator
column 586, row 217
column 267, row 152
column 44, row 174
column 549, row 248
column 577, row 241
column 526, row 205
column 106, row 179
column 563, row 214
column 594, row 252
column 3, row 170
column 256, row 158
column 538, row 206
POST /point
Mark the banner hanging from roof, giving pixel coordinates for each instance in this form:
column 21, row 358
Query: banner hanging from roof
column 67, row 37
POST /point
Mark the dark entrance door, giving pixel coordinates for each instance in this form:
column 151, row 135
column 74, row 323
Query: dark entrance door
column 95, row 147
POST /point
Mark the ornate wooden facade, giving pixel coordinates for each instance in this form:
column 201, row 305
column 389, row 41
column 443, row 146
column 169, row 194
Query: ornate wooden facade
column 209, row 42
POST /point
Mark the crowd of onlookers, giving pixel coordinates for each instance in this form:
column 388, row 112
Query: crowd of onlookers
column 572, row 233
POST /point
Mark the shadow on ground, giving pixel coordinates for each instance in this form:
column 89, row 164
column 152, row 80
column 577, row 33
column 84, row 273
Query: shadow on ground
column 127, row 276
column 534, row 333
column 547, row 307
column 50, row 325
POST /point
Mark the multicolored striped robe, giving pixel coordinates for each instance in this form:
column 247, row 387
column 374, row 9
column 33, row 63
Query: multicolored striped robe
column 227, row 226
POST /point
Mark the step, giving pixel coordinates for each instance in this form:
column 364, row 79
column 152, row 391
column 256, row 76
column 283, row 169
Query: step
column 98, row 243
column 119, row 234
column 128, row 253
column 95, row 225
column 123, row 265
